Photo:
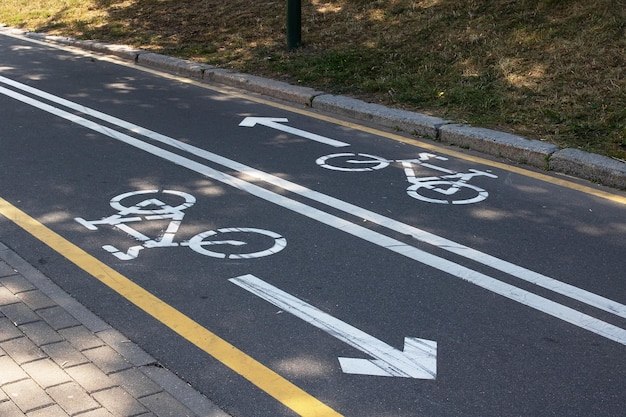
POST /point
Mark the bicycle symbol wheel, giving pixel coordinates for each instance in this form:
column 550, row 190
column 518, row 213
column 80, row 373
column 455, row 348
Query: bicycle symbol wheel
column 237, row 243
column 431, row 192
column 352, row 162
column 139, row 208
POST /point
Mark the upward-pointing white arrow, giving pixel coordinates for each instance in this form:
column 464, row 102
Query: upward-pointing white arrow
column 417, row 360
column 275, row 123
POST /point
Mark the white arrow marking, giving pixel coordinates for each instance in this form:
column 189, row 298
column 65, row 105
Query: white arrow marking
column 418, row 360
column 275, row 123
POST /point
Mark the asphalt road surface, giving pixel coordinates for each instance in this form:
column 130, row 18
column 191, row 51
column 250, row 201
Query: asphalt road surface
column 285, row 262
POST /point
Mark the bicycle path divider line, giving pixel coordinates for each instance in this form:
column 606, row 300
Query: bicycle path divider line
column 608, row 171
column 484, row 281
column 337, row 204
column 284, row 391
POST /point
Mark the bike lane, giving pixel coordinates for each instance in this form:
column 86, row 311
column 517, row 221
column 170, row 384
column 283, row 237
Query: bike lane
column 327, row 275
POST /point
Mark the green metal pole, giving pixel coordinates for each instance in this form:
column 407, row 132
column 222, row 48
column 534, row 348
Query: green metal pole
column 294, row 24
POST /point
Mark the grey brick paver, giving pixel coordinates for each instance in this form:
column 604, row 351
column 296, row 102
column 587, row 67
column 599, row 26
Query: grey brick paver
column 41, row 333
column 135, row 382
column 17, row 283
column 10, row 371
column 164, row 405
column 107, row 359
column 64, row 354
column 9, row 409
column 126, row 348
column 186, row 394
column 3, row 396
column 119, row 402
column 7, row 297
column 100, row 412
column 35, row 299
column 46, row 373
column 5, row 269
column 81, row 337
column 27, row 395
column 8, row 330
column 52, row 411
column 22, row 350
column 90, row 377
column 19, row 313
column 58, row 318
column 72, row 398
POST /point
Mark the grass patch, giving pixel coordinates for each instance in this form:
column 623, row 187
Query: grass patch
column 553, row 70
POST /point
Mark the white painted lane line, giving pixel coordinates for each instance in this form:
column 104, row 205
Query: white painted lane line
column 418, row 360
column 567, row 314
column 276, row 123
column 517, row 271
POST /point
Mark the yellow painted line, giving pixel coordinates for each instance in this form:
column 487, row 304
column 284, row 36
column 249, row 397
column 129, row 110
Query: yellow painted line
column 269, row 381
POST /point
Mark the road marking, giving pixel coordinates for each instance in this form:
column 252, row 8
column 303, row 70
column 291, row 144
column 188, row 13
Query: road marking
column 527, row 298
column 197, row 243
column 276, row 123
column 417, row 360
column 367, row 163
column 158, row 210
column 269, row 381
column 517, row 271
column 619, row 199
column 438, row 190
column 121, row 220
column 418, row 234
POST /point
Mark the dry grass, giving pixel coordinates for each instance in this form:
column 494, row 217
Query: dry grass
column 546, row 69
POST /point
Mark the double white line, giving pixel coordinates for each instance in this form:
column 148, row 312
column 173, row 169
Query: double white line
column 522, row 296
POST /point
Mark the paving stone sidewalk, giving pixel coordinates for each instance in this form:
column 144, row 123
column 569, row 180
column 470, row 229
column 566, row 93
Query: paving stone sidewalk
column 58, row 359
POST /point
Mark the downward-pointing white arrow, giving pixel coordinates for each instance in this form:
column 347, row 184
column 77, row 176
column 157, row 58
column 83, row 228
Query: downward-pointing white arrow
column 418, row 360
column 275, row 123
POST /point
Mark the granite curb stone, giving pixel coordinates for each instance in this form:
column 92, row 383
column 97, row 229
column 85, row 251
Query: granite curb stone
column 492, row 142
column 272, row 88
column 411, row 122
column 175, row 65
column 121, row 51
column 603, row 170
column 590, row 166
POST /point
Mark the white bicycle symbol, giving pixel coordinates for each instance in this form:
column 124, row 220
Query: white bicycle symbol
column 229, row 243
column 442, row 189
